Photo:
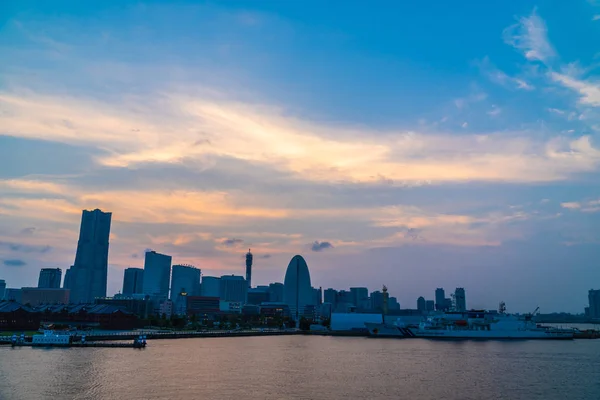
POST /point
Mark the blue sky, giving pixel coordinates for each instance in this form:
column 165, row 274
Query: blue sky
column 430, row 145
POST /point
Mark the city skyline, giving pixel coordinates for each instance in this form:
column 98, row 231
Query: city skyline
column 418, row 151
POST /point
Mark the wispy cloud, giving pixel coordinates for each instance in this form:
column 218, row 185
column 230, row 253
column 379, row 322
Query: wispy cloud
column 320, row 246
column 14, row 262
column 530, row 36
column 587, row 89
column 501, row 78
column 596, row 18
column 588, row 206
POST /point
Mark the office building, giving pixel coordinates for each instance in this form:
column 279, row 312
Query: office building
column 430, row 305
column 67, row 280
column 393, row 304
column 36, row 296
column 2, row 288
column 133, row 281
column 276, row 292
column 135, row 304
column 257, row 296
column 185, row 281
column 203, row 306
column 249, row 269
column 88, row 275
column 157, row 275
column 13, row 294
column 448, row 304
column 422, row 305
column 460, row 300
column 377, row 301
column 330, row 296
column 358, row 295
column 440, row 299
column 233, row 288
column 317, row 296
column 297, row 290
column 50, row 278
column 594, row 304
column 211, row 286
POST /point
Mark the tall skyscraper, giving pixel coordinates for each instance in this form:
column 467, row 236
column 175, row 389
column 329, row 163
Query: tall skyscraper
column 422, row 305
column 185, row 281
column 430, row 305
column 133, row 281
column 2, row 288
column 88, row 276
column 440, row 299
column 317, row 296
column 460, row 300
column 157, row 275
column 594, row 303
column 297, row 291
column 211, row 286
column 233, row 288
column 377, row 301
column 249, row 268
column 358, row 295
column 50, row 278
column 330, row 296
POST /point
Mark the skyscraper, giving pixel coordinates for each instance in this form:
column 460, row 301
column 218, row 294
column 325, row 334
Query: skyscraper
column 233, row 288
column 358, row 295
column 330, row 296
column 211, row 286
column 133, row 281
column 157, row 275
column 297, row 291
column 430, row 305
column 88, row 275
column 67, row 280
column 249, row 268
column 185, row 281
column 276, row 292
column 317, row 296
column 460, row 300
column 422, row 305
column 440, row 299
column 594, row 303
column 50, row 278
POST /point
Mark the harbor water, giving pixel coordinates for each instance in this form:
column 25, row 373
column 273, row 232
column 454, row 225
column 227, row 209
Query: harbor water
column 306, row 367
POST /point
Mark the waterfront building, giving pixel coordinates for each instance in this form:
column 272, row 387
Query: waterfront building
column 421, row 305
column 345, row 296
column 203, row 306
column 133, row 281
column 460, row 300
column 2, row 289
column 17, row 317
column 276, row 292
column 297, row 291
column 330, row 296
column 249, row 268
column 67, row 280
column 325, row 310
column 135, row 303
column 185, row 281
column 430, row 305
column 393, row 304
column 36, row 296
column 166, row 308
column 157, row 275
column 594, row 304
column 440, row 299
column 272, row 310
column 317, row 296
column 256, row 296
column 358, row 295
column 88, row 275
column 251, row 310
column 13, row 294
column 230, row 307
column 448, row 304
column 233, row 288
column 211, row 286
column 377, row 301
column 50, row 278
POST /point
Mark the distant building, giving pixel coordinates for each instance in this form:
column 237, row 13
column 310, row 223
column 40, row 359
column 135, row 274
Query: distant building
column 325, row 310
column 133, row 281
column 276, row 292
column 393, row 304
column 317, row 296
column 157, row 275
column 203, row 306
column 330, row 296
column 297, row 291
column 359, row 294
column 460, row 300
column 50, row 278
column 594, row 303
column 250, row 310
column 166, row 308
column 422, row 305
column 185, row 281
column 211, row 286
column 249, row 269
column 440, row 299
column 377, row 301
column 430, row 305
column 231, row 307
column 13, row 294
column 447, row 304
column 134, row 304
column 257, row 296
column 88, row 275
column 273, row 310
column 36, row 296
column 2, row 289
column 233, row 288
column 17, row 317
column 67, row 280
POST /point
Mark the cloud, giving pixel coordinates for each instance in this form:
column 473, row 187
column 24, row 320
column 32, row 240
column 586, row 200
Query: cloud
column 588, row 90
column 265, row 256
column 14, row 263
column 231, row 242
column 556, row 111
column 571, row 205
column 28, row 231
column 24, row 248
column 320, row 246
column 587, row 206
column 530, row 36
column 501, row 78
column 495, row 111
column 596, row 18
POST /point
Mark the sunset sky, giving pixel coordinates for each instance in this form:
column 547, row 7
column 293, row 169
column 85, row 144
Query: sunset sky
column 412, row 144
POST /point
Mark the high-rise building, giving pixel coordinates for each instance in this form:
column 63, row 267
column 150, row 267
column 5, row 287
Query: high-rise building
column 67, row 280
column 133, row 281
column 276, row 292
column 358, row 295
column 297, row 290
column 257, row 296
column 36, row 296
column 185, row 281
column 440, row 299
column 430, row 305
column 422, row 305
column 249, row 268
column 89, row 273
column 13, row 294
column 157, row 275
column 594, row 303
column 330, row 296
column 377, row 301
column 393, row 304
column 2, row 288
column 50, row 278
column 211, row 287
column 317, row 296
column 460, row 300
column 233, row 289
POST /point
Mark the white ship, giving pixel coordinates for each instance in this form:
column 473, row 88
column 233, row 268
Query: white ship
column 475, row 324
column 50, row 338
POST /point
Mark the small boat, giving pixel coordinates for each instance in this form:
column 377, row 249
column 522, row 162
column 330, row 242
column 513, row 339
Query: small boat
column 51, row 338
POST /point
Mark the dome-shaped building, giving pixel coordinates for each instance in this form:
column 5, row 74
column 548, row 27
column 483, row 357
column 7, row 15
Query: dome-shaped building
column 297, row 290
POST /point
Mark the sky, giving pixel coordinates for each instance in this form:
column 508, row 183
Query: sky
column 416, row 145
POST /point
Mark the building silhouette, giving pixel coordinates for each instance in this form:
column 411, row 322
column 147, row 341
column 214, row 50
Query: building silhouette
column 88, row 276
column 297, row 290
column 50, row 278
column 594, row 304
column 2, row 288
column 330, row 296
column 157, row 275
column 249, row 268
column 276, row 292
column 317, row 299
column 133, row 281
column 359, row 295
column 422, row 305
column 460, row 301
column 233, row 289
column 430, row 305
column 211, row 287
column 440, row 299
column 185, row 281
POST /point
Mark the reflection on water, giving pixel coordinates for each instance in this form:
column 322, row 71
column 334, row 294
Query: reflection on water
column 299, row 367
